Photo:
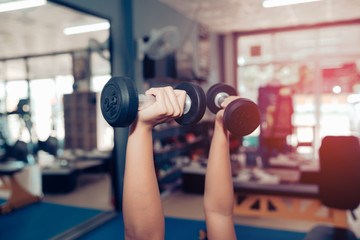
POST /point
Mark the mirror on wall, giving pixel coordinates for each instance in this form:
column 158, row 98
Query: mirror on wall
column 54, row 61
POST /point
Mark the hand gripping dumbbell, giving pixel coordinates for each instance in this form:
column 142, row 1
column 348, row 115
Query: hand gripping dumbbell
column 120, row 102
column 241, row 116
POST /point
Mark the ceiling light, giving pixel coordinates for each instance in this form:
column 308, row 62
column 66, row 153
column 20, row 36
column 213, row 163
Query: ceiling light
column 87, row 28
column 16, row 5
column 278, row 3
column 336, row 89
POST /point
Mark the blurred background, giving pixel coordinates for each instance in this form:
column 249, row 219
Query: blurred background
column 300, row 63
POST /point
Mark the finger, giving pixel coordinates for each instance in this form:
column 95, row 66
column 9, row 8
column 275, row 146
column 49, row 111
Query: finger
column 176, row 107
column 160, row 99
column 181, row 97
column 170, row 109
column 220, row 115
column 228, row 100
column 151, row 91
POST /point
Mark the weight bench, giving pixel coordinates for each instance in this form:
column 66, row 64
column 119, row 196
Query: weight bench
column 19, row 197
column 336, row 193
column 285, row 201
column 339, row 183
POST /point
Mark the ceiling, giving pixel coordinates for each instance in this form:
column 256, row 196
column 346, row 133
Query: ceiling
column 246, row 15
column 39, row 30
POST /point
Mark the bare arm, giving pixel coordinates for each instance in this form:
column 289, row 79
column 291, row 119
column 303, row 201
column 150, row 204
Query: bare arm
column 142, row 209
column 219, row 192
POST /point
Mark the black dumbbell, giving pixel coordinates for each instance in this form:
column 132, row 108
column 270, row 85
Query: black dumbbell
column 120, row 102
column 241, row 116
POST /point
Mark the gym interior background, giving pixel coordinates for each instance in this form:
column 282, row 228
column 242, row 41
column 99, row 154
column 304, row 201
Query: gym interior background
column 299, row 63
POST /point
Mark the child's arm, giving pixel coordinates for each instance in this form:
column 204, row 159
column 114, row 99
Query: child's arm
column 142, row 210
column 219, row 192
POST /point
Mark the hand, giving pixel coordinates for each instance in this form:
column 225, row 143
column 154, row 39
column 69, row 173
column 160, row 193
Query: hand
column 219, row 123
column 220, row 113
column 168, row 105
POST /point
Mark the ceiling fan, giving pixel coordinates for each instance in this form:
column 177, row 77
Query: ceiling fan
column 100, row 48
column 161, row 42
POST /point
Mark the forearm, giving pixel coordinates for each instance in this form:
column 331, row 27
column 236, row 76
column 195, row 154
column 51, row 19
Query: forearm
column 218, row 196
column 142, row 210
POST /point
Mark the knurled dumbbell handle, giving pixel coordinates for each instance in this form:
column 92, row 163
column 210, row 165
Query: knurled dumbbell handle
column 147, row 100
column 220, row 98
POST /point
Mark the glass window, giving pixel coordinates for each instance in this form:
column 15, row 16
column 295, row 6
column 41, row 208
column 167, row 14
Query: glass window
column 295, row 45
column 105, row 133
column 255, row 49
column 50, row 66
column 2, row 71
column 41, row 67
column 2, row 97
column 336, row 114
column 322, row 68
column 100, row 68
column 63, row 85
column 252, row 77
column 98, row 82
column 47, row 107
column 63, row 65
column 42, row 107
column 16, row 91
column 99, row 65
column 339, row 40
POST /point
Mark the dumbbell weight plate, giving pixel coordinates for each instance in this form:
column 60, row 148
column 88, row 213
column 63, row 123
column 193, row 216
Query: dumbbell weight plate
column 241, row 117
column 119, row 102
column 214, row 91
column 198, row 104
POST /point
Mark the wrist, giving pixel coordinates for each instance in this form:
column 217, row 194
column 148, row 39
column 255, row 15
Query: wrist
column 141, row 128
column 220, row 129
column 219, row 125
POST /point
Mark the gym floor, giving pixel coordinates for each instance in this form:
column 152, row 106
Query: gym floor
column 93, row 192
